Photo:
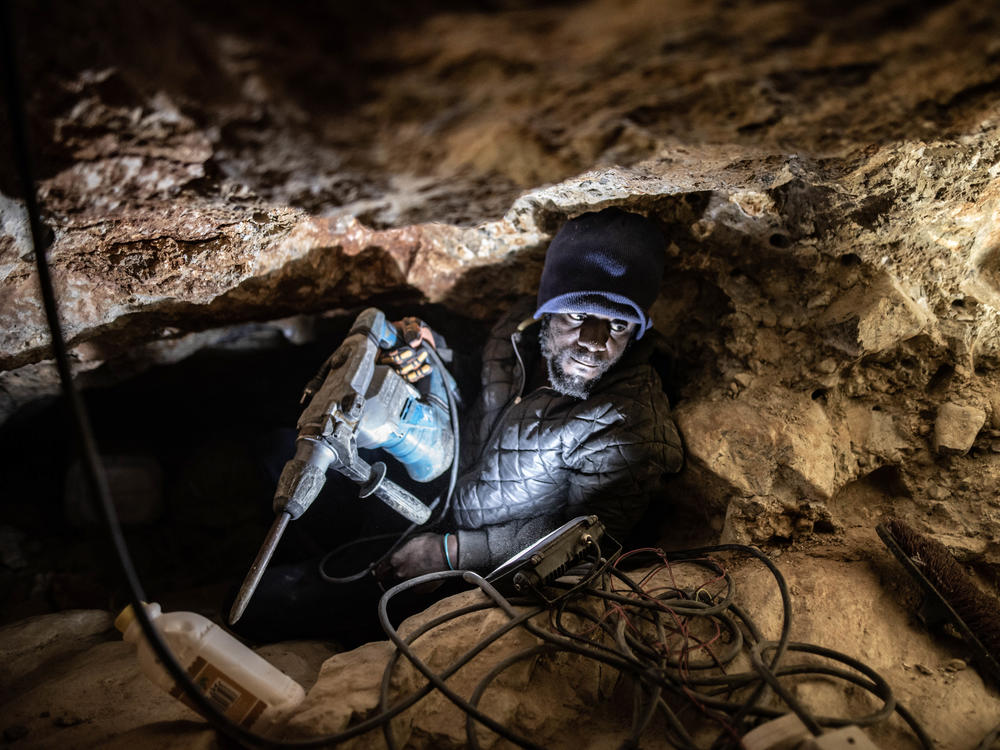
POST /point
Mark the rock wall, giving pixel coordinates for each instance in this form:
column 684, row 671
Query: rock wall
column 828, row 176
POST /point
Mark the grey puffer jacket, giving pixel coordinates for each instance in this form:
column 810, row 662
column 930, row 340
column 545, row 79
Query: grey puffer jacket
column 531, row 461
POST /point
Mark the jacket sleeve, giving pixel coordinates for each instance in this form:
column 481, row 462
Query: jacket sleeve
column 486, row 548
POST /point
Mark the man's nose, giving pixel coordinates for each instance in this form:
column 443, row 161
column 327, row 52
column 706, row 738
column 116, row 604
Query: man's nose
column 594, row 334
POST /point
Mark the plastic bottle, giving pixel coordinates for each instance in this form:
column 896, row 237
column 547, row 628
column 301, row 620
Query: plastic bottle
column 241, row 684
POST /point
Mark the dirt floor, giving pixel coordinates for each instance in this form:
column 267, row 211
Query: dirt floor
column 847, row 593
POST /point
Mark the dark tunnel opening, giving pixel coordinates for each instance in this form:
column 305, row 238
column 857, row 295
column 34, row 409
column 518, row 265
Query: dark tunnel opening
column 191, row 450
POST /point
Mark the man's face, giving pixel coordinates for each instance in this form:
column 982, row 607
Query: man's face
column 580, row 347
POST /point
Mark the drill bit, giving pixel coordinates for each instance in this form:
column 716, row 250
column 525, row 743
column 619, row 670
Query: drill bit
column 259, row 564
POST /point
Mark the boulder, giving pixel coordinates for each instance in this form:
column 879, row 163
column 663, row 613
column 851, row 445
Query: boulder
column 542, row 697
column 875, row 432
column 956, row 427
column 765, row 461
column 752, row 446
column 873, row 317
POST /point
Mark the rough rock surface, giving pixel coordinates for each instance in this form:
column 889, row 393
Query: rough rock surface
column 827, row 175
column 830, row 196
column 558, row 701
column 71, row 681
column 956, row 427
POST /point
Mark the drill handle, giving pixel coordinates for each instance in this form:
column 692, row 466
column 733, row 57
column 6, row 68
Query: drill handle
column 397, row 498
column 377, row 327
column 388, row 337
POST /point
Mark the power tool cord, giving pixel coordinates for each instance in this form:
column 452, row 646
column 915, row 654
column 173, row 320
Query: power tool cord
column 94, row 468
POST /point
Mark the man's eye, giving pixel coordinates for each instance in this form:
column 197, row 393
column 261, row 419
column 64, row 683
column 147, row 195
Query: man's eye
column 619, row 326
column 576, row 316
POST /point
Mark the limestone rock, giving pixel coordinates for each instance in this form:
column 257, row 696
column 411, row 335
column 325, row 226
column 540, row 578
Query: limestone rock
column 956, row 427
column 875, row 432
column 188, row 197
column 346, row 690
column 753, row 446
column 873, row 317
column 767, row 462
column 300, row 660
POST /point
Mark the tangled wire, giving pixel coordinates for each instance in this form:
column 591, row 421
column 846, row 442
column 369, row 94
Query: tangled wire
column 694, row 658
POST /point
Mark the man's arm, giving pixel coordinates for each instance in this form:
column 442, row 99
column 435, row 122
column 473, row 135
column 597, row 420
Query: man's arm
column 615, row 479
column 612, row 470
column 486, row 548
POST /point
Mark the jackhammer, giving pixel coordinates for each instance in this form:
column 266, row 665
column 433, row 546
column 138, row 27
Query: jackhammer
column 352, row 403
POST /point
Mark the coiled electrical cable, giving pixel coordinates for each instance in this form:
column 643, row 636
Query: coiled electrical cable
column 653, row 677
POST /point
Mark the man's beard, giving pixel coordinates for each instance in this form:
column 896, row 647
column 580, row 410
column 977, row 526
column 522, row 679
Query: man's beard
column 576, row 386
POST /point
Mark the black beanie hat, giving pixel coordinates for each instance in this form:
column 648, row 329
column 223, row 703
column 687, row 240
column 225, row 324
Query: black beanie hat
column 607, row 263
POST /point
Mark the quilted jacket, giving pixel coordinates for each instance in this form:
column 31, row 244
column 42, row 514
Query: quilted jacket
column 532, row 460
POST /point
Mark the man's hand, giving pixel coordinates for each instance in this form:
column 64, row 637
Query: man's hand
column 424, row 553
column 413, row 331
column 410, row 360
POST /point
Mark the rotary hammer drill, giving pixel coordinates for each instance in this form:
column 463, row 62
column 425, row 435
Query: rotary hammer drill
column 352, row 403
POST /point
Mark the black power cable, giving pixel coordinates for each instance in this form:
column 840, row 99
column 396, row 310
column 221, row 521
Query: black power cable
column 95, row 472
column 653, row 680
column 653, row 674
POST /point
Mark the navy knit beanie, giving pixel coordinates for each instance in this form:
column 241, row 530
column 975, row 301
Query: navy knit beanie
column 608, row 263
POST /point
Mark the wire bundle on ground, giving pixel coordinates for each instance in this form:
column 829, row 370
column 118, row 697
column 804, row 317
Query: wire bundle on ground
column 701, row 672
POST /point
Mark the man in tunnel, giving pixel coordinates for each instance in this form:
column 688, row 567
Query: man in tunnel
column 570, row 419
